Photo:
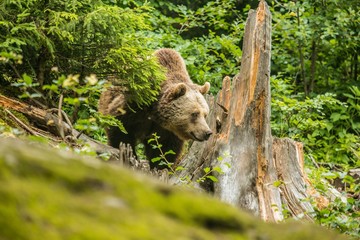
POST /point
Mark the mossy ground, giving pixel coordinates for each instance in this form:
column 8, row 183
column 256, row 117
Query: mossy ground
column 51, row 194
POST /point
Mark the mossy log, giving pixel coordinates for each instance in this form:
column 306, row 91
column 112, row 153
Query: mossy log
column 51, row 194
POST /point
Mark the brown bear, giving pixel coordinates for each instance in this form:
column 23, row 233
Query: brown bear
column 178, row 114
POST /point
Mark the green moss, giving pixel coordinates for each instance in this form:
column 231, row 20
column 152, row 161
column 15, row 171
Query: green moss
column 48, row 194
column 7, row 124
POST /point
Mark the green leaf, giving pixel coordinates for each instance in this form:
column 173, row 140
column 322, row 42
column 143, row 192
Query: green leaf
column 218, row 169
column 156, row 159
column 207, row 169
column 35, row 95
column 27, row 79
column 170, row 152
column 212, row 178
column 200, row 180
column 227, row 164
column 277, row 183
column 179, row 168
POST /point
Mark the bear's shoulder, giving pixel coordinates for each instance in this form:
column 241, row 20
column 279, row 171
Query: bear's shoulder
column 171, row 60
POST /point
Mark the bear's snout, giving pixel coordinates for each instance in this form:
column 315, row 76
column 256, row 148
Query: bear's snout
column 207, row 135
column 200, row 136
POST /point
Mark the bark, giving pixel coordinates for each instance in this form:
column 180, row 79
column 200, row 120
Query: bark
column 289, row 162
column 262, row 178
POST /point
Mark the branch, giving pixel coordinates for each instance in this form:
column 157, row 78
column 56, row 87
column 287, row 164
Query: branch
column 46, row 120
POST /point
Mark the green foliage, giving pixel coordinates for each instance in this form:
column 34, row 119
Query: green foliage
column 343, row 212
column 60, row 50
column 315, row 94
column 328, row 127
column 207, row 37
column 161, row 160
column 209, row 173
column 316, row 43
column 79, row 37
column 50, row 51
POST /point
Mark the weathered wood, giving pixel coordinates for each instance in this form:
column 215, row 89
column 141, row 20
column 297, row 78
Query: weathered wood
column 240, row 117
column 244, row 137
column 289, row 162
column 46, row 120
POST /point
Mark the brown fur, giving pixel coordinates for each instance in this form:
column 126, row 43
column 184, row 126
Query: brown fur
column 178, row 115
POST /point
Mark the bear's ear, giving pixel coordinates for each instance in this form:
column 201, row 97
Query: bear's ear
column 205, row 88
column 177, row 91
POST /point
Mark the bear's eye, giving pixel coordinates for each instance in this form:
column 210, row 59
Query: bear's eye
column 195, row 114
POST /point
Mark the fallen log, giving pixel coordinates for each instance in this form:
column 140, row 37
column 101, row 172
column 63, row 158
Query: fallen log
column 50, row 122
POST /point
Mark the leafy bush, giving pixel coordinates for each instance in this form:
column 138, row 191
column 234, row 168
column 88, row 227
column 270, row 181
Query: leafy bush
column 55, row 53
column 328, row 127
column 342, row 212
column 316, row 44
column 79, row 37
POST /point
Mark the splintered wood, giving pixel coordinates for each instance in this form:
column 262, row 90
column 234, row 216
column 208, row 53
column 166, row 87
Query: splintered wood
column 264, row 176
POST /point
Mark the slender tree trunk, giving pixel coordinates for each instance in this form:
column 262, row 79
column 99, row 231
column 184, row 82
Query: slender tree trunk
column 356, row 61
column 302, row 61
column 313, row 65
column 256, row 173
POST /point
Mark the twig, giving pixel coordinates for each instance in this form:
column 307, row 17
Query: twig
column 46, row 135
column 80, row 132
column 67, row 119
column 30, row 128
column 39, row 104
column 23, row 125
column 314, row 162
column 61, row 128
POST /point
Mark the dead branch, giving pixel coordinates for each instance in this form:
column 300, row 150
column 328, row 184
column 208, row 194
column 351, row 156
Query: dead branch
column 50, row 122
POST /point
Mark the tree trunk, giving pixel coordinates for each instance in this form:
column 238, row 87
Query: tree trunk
column 313, row 66
column 256, row 175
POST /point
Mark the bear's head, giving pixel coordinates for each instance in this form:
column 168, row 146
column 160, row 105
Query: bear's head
column 182, row 109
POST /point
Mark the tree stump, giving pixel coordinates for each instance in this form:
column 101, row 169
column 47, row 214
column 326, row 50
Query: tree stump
column 257, row 176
